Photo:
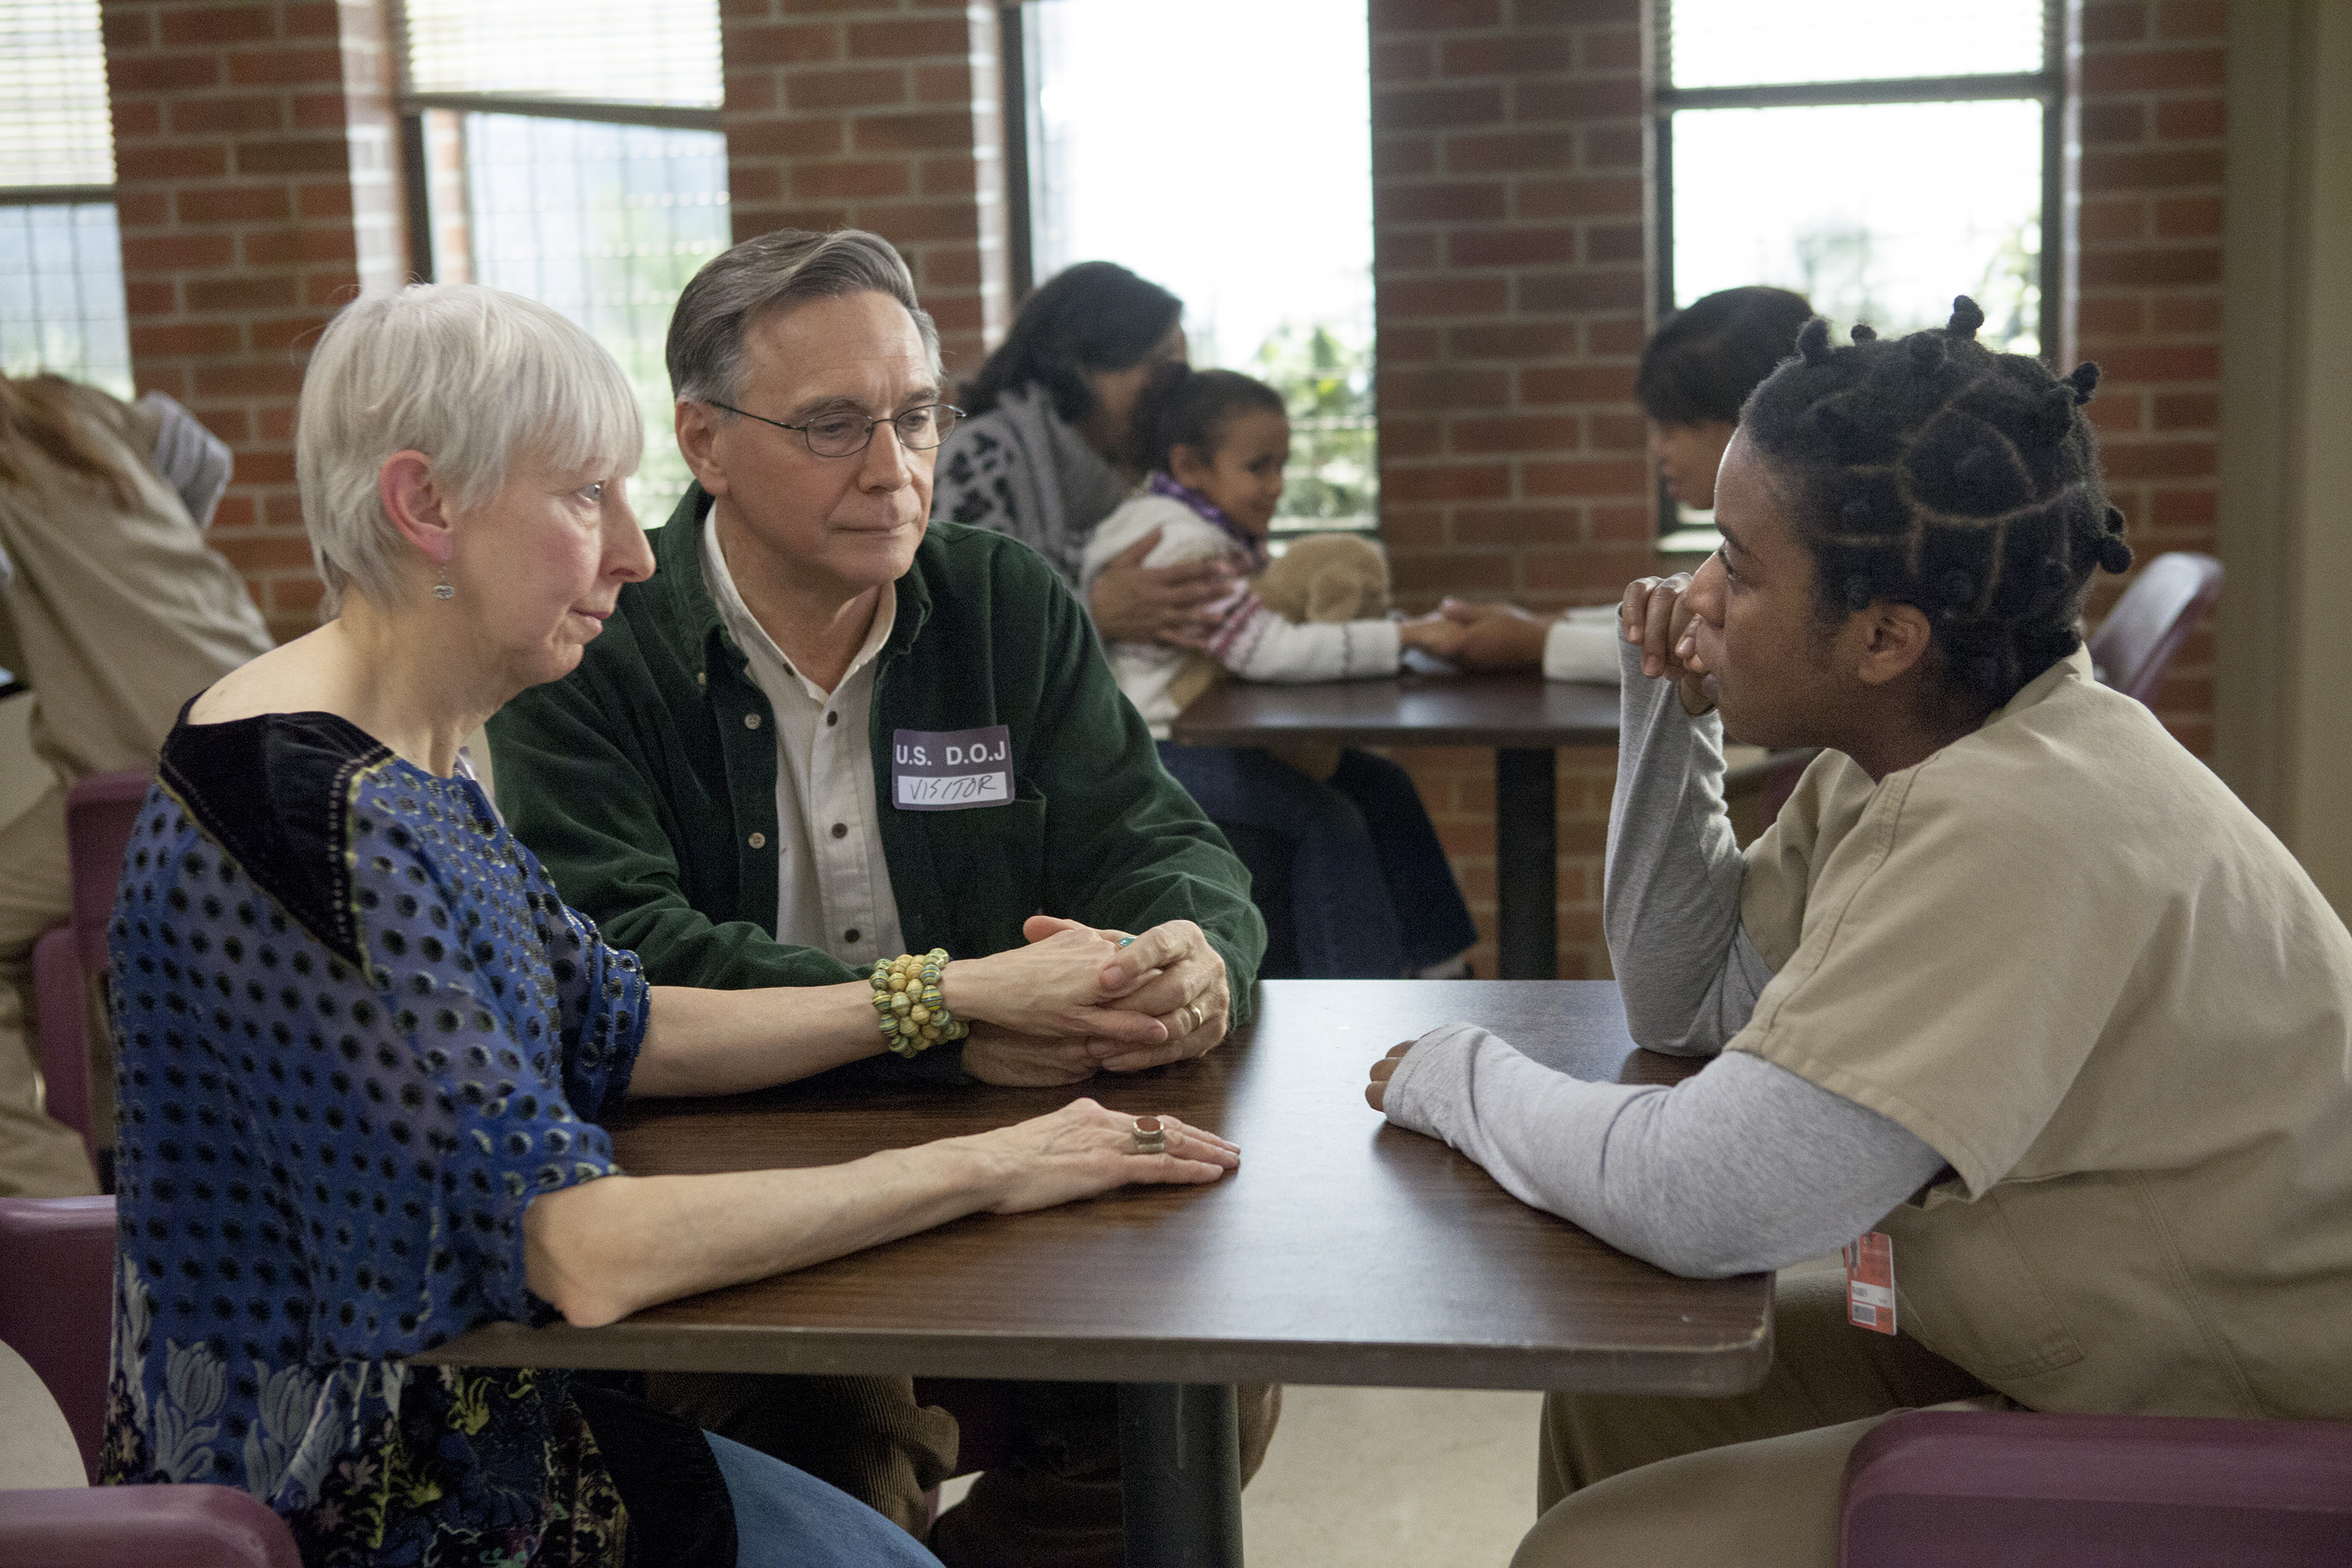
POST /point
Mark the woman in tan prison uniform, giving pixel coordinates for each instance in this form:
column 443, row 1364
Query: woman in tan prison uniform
column 116, row 613
column 2014, row 982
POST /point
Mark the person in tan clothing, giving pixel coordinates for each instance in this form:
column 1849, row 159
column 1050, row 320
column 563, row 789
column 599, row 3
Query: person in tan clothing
column 116, row 613
column 2015, row 993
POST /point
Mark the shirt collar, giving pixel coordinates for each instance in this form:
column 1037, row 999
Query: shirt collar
column 1159, row 484
column 749, row 634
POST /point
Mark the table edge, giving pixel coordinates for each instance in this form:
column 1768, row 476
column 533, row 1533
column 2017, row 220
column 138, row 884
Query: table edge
column 1732, row 1367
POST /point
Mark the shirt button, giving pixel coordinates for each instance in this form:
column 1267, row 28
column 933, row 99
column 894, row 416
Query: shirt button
column 750, row 720
column 702, row 677
column 841, row 830
column 758, row 841
column 849, row 935
column 831, row 720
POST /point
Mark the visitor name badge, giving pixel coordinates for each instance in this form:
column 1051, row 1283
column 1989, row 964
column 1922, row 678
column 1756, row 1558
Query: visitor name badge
column 951, row 770
column 1870, row 1282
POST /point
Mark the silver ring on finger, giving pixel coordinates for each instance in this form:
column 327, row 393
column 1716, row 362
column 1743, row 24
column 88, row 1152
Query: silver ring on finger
column 1150, row 1137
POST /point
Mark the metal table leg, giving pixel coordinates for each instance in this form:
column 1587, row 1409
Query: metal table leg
column 1181, row 1475
column 1526, row 862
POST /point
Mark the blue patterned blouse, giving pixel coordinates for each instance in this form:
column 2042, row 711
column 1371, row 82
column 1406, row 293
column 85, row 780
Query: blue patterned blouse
column 358, row 1032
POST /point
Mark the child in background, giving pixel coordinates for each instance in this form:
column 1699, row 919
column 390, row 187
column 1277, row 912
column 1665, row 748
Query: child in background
column 1348, row 872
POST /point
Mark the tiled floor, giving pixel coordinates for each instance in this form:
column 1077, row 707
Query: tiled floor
column 1394, row 1478
column 1391, row 1478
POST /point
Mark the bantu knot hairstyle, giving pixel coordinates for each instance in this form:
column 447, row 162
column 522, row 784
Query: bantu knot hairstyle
column 1930, row 470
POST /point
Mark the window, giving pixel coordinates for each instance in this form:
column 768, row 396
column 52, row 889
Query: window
column 1929, row 167
column 1234, row 169
column 601, row 206
column 60, row 255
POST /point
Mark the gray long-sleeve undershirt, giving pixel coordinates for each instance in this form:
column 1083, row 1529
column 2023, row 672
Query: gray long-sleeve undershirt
column 1743, row 1166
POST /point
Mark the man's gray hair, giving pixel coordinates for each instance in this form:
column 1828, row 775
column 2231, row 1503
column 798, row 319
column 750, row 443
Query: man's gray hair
column 473, row 378
column 777, row 269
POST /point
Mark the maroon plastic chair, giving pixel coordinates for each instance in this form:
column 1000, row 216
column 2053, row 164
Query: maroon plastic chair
column 1956, row 1489
column 2135, row 644
column 101, row 812
column 144, row 1527
column 56, row 1292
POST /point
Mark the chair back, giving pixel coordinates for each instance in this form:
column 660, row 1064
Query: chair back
column 57, row 1296
column 1953, row 1488
column 2135, row 644
column 101, row 812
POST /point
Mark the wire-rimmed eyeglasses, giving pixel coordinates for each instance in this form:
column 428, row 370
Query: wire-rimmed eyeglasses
column 846, row 434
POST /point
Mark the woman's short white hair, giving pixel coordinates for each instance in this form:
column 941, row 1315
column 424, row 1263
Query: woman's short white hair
column 472, row 377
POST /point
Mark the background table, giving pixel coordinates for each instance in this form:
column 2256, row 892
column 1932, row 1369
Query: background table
column 1343, row 1251
column 1524, row 717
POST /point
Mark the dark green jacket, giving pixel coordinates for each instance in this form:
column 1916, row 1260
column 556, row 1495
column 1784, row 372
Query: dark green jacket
column 637, row 781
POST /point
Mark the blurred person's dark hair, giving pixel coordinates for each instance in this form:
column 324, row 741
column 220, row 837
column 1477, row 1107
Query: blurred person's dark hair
column 37, row 414
column 1096, row 315
column 1704, row 359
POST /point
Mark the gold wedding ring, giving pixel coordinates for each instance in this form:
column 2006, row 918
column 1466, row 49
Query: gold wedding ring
column 1150, row 1137
column 1193, row 1017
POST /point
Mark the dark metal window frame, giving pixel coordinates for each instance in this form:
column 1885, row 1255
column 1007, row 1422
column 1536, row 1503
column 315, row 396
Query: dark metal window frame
column 2048, row 85
column 413, row 106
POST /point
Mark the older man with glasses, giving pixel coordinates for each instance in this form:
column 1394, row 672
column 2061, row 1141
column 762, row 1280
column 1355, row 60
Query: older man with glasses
column 830, row 733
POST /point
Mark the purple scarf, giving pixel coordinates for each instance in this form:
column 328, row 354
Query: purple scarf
column 1161, row 484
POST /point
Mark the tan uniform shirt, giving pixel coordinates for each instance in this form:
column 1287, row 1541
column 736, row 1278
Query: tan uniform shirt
column 2064, row 954
column 116, row 617
column 832, row 885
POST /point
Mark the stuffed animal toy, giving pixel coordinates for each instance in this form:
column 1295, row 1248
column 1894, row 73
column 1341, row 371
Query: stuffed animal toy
column 1324, row 577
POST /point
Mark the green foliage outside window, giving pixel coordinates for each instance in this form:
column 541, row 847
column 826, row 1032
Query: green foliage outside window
column 1334, row 477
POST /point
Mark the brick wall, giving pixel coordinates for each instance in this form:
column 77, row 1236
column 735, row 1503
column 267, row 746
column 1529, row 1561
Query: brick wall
column 258, row 186
column 2149, row 308
column 884, row 115
column 1508, row 231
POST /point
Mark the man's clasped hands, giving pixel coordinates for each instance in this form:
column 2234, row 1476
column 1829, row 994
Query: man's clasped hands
column 1077, row 1000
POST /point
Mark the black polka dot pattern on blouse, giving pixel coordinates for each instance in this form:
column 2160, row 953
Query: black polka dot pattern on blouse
column 324, row 1156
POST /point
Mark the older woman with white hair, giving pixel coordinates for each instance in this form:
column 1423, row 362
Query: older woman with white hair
column 365, row 1045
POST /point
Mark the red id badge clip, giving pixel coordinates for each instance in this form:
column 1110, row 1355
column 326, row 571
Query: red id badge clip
column 1870, row 1282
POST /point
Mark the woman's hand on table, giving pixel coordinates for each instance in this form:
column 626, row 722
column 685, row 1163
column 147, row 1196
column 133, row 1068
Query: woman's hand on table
column 1497, row 636
column 1655, row 613
column 1084, row 1150
column 1134, row 603
column 1376, row 1093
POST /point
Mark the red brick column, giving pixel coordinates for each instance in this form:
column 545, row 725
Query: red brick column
column 2152, row 73
column 257, row 188
column 885, row 115
column 1508, row 228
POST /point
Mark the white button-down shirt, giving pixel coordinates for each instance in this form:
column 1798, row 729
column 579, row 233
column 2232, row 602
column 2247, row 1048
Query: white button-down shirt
column 832, row 885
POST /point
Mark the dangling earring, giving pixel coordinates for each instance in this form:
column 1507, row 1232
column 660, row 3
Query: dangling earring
column 441, row 588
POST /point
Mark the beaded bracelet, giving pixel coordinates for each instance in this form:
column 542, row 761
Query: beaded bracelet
column 910, row 1012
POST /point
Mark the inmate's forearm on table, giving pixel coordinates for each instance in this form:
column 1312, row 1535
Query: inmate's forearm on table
column 1744, row 1167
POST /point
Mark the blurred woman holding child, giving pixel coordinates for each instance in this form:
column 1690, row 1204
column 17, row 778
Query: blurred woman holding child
column 1046, row 449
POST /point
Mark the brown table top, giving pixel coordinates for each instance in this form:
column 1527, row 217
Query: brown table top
column 1410, row 709
column 1343, row 1251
